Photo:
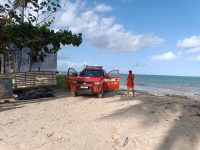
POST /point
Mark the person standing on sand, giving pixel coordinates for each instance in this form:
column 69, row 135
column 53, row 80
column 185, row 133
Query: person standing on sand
column 130, row 83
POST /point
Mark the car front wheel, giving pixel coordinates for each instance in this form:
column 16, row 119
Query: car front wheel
column 100, row 95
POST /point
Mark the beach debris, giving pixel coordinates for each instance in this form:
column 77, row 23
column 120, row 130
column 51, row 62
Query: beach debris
column 153, row 112
column 156, row 94
column 178, row 96
column 197, row 114
column 193, row 106
column 50, row 134
column 7, row 101
column 125, row 142
column 34, row 94
column 180, row 116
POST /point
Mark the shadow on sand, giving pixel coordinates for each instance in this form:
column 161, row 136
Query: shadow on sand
column 185, row 130
column 59, row 93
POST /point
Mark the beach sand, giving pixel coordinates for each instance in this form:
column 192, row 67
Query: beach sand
column 115, row 122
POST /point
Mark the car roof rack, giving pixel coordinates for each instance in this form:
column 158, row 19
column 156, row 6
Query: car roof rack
column 87, row 66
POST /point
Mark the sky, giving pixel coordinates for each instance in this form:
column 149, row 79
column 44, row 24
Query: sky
column 156, row 37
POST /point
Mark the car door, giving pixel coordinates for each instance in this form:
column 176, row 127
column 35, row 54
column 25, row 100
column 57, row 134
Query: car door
column 111, row 81
column 71, row 74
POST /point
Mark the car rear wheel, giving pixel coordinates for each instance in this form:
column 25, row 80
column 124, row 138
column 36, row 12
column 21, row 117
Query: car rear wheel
column 74, row 93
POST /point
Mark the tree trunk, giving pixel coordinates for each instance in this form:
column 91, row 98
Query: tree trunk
column 30, row 65
column 30, row 57
column 10, row 60
column 22, row 5
column 1, row 64
column 19, row 60
column 4, row 63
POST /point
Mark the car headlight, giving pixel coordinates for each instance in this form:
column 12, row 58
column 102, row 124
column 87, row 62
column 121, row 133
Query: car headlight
column 96, row 83
column 74, row 81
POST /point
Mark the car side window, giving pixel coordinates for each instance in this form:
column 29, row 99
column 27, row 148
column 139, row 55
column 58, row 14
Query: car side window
column 113, row 74
column 82, row 73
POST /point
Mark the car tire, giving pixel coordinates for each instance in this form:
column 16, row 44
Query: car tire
column 74, row 94
column 100, row 95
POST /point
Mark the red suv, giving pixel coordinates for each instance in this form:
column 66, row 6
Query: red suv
column 92, row 80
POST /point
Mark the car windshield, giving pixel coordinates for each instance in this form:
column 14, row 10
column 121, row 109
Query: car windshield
column 91, row 73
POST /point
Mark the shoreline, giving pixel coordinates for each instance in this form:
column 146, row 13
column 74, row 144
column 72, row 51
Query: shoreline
column 163, row 94
column 167, row 90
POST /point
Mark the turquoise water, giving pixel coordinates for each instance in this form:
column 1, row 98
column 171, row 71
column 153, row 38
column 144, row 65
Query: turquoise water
column 179, row 85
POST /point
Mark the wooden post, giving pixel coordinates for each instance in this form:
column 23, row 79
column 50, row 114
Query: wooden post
column 25, row 78
column 34, row 79
column 2, row 64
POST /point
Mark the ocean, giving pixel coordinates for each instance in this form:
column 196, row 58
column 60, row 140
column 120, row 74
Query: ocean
column 177, row 85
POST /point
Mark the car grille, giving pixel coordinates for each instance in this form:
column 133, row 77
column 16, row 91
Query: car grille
column 89, row 90
column 80, row 82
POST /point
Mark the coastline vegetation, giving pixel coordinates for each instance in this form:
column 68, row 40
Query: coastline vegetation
column 61, row 84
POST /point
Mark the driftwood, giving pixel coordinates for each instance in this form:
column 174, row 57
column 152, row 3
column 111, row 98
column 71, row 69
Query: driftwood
column 11, row 100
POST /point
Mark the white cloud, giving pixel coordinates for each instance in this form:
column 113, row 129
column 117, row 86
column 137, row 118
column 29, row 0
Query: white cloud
column 101, row 32
column 139, row 65
column 66, row 63
column 102, row 8
column 166, row 56
column 2, row 2
column 196, row 58
column 191, row 44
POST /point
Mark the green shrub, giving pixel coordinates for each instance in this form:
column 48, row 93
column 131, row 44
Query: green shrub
column 61, row 81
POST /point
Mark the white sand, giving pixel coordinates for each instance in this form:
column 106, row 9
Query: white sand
column 146, row 122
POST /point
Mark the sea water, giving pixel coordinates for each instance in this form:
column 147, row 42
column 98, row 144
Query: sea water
column 178, row 85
